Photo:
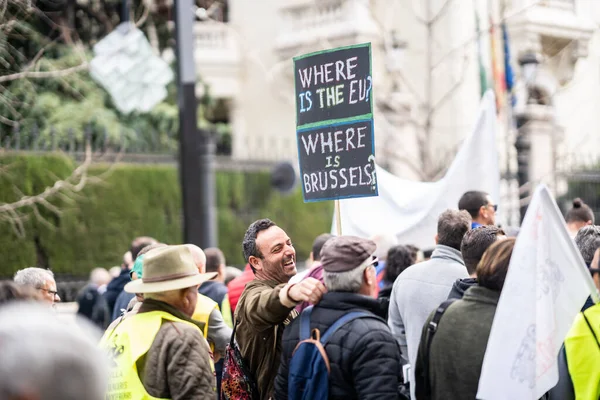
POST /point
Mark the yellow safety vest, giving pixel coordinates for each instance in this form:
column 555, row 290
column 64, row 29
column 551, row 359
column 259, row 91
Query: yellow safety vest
column 226, row 311
column 583, row 355
column 125, row 344
column 204, row 307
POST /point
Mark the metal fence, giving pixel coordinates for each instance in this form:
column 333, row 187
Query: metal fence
column 149, row 147
column 72, row 140
column 584, row 184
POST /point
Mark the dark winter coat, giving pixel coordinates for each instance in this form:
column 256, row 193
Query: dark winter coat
column 121, row 304
column 363, row 354
column 384, row 299
column 215, row 291
column 93, row 306
column 115, row 287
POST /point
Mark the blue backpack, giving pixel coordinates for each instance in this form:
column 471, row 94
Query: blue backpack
column 309, row 370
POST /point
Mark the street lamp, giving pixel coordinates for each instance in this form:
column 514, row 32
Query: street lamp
column 529, row 64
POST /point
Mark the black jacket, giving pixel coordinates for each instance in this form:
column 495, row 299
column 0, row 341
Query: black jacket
column 214, row 290
column 363, row 354
column 384, row 300
column 114, row 289
column 93, row 306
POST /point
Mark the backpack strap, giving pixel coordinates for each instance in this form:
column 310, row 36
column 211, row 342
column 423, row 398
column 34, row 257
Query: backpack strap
column 305, row 323
column 431, row 329
column 591, row 329
column 343, row 321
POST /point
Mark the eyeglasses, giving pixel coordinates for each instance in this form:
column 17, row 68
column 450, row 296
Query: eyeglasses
column 494, row 206
column 52, row 292
column 375, row 262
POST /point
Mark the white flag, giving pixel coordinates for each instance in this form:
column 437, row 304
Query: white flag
column 409, row 210
column 546, row 286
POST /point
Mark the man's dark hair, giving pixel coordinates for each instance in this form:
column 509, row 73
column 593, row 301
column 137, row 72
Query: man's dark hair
column 214, row 259
column 580, row 212
column 452, row 226
column 249, row 243
column 476, row 242
column 472, row 201
column 139, row 243
column 318, row 245
column 399, row 258
column 588, row 240
column 414, row 250
column 427, row 253
column 493, row 267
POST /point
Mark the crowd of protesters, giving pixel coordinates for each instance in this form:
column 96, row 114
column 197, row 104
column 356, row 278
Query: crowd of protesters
column 363, row 321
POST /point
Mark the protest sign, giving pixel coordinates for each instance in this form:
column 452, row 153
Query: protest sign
column 546, row 286
column 334, row 122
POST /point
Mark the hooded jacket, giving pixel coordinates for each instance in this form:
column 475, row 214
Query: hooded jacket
column 460, row 286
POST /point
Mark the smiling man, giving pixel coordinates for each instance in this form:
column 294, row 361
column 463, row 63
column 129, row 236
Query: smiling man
column 267, row 303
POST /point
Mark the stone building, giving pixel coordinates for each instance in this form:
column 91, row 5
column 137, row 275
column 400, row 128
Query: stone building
column 426, row 63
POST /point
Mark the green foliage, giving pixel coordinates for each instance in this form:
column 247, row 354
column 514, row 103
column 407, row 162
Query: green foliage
column 48, row 37
column 136, row 200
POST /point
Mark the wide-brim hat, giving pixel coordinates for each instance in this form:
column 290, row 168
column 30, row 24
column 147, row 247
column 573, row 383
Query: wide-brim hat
column 168, row 268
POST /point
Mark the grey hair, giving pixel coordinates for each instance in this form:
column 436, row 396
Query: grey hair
column 47, row 358
column 100, row 276
column 34, row 277
column 347, row 281
column 588, row 241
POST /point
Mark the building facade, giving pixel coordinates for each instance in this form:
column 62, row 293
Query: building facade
column 426, row 74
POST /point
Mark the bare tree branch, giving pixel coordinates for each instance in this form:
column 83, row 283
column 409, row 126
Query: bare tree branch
column 45, row 74
column 440, row 13
column 74, row 183
column 454, row 87
column 144, row 16
column 410, row 8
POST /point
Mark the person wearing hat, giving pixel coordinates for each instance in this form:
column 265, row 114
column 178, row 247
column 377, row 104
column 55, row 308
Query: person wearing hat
column 160, row 351
column 364, row 357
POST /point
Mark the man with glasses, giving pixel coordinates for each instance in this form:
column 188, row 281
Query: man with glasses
column 40, row 279
column 480, row 206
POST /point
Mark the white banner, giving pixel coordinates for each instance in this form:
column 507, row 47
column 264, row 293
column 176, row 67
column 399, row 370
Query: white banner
column 546, row 286
column 409, row 210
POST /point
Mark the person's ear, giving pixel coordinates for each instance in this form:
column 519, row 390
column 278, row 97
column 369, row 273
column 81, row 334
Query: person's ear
column 589, row 222
column 255, row 263
column 436, row 238
column 483, row 212
column 369, row 277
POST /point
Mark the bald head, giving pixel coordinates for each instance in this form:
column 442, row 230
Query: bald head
column 199, row 257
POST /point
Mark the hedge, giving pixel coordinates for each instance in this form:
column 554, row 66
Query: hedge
column 133, row 200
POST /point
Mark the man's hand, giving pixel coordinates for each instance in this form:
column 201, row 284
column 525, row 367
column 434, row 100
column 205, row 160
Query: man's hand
column 309, row 289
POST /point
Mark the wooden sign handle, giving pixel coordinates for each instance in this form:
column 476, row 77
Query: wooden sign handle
column 338, row 217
